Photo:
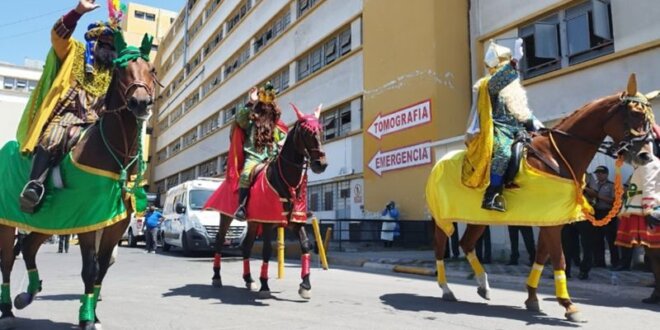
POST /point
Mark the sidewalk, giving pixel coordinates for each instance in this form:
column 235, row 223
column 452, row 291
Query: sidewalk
column 422, row 262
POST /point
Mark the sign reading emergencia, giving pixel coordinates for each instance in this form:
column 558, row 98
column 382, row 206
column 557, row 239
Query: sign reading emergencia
column 416, row 155
column 410, row 116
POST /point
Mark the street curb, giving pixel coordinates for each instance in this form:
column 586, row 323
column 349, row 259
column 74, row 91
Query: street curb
column 379, row 266
column 414, row 270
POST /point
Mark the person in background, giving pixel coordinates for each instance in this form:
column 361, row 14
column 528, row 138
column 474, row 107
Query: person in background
column 63, row 244
column 528, row 237
column 152, row 221
column 390, row 229
column 602, row 190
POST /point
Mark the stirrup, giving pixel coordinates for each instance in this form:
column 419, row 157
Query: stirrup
column 496, row 203
column 29, row 202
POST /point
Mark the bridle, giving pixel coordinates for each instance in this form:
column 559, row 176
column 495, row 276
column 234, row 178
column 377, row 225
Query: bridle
column 126, row 90
column 296, row 132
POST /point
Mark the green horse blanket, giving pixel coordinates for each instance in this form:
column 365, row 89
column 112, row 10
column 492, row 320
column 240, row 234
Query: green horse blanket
column 91, row 199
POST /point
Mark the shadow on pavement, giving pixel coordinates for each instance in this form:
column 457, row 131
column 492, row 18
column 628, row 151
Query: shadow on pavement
column 619, row 302
column 415, row 303
column 25, row 324
column 60, row 297
column 226, row 295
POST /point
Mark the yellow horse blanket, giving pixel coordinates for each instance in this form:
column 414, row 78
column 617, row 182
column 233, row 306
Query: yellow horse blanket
column 541, row 200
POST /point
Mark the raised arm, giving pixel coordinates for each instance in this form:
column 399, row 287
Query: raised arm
column 63, row 29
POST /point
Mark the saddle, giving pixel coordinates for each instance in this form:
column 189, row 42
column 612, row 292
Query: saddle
column 517, row 155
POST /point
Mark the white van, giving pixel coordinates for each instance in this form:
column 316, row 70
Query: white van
column 188, row 226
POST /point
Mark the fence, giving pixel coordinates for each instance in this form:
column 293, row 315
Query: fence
column 349, row 232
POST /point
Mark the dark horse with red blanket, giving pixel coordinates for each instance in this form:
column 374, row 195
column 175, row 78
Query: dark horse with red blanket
column 278, row 197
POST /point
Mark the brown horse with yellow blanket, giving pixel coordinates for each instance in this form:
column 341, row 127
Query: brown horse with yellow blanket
column 551, row 174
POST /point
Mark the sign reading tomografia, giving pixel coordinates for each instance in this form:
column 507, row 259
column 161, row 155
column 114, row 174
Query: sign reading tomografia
column 410, row 116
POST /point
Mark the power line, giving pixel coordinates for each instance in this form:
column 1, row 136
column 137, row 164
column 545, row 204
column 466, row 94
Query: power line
column 27, row 19
column 25, row 33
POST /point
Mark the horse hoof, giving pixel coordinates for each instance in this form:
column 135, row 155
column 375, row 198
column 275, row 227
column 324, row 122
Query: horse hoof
column 23, row 300
column 216, row 282
column 251, row 286
column 575, row 316
column 533, row 306
column 7, row 322
column 483, row 293
column 449, row 297
column 87, row 325
column 304, row 293
column 264, row 294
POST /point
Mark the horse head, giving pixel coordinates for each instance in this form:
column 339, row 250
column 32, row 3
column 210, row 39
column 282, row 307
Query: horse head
column 630, row 125
column 307, row 138
column 133, row 78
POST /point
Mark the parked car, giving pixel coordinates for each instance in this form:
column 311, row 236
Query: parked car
column 135, row 231
column 188, row 225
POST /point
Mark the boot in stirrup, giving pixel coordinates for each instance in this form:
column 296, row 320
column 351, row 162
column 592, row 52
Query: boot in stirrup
column 493, row 199
column 34, row 190
column 241, row 212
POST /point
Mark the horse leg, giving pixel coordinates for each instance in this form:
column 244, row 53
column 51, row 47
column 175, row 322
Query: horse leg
column 267, row 252
column 440, row 245
column 108, row 241
column 542, row 254
column 553, row 244
column 7, row 259
column 654, row 258
column 31, row 245
column 468, row 242
column 305, row 289
column 225, row 221
column 89, row 274
column 248, row 243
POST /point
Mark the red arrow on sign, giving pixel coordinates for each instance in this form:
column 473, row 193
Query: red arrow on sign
column 410, row 116
column 416, row 155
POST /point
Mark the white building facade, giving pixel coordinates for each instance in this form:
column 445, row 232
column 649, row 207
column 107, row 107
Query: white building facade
column 16, row 83
column 218, row 49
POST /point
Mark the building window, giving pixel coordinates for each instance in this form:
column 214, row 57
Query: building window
column 163, row 125
column 172, row 180
column 188, row 174
column 329, row 197
column 238, row 15
column 565, row 38
column 9, row 83
column 162, row 155
column 189, row 138
column 190, row 102
column 171, row 20
column 160, row 186
column 174, row 147
column 589, row 31
column 140, row 14
column 209, row 168
column 305, row 5
column 325, row 53
column 150, row 17
column 336, row 122
column 21, row 84
column 230, row 112
column 32, row 84
column 237, row 61
column 280, row 80
column 209, row 125
column 275, row 28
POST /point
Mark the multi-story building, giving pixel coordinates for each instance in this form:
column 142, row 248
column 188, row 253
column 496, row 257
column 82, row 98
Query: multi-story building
column 16, row 83
column 141, row 19
column 363, row 60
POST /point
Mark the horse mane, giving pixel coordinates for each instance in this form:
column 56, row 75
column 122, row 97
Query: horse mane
column 603, row 102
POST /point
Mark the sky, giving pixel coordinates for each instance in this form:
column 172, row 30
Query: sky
column 25, row 24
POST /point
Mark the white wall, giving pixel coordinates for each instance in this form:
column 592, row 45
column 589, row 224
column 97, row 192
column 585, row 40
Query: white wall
column 11, row 109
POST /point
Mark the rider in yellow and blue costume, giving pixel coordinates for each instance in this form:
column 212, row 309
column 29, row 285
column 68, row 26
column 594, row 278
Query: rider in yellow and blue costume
column 260, row 119
column 69, row 97
column 506, row 113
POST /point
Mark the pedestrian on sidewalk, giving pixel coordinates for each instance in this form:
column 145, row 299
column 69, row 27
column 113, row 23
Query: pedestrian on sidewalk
column 390, row 228
column 63, row 244
column 528, row 238
column 153, row 219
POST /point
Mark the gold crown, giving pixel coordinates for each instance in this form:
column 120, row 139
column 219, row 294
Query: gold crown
column 267, row 93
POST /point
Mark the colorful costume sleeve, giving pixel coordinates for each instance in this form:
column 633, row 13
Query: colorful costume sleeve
column 476, row 164
column 60, row 36
column 650, row 192
column 502, row 78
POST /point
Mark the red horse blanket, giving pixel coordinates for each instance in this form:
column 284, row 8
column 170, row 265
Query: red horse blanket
column 264, row 204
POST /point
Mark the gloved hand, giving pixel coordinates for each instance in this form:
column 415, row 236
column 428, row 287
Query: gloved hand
column 518, row 50
column 533, row 125
column 652, row 220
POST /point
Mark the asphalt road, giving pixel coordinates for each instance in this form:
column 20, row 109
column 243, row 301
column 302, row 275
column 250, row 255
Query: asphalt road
column 169, row 291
